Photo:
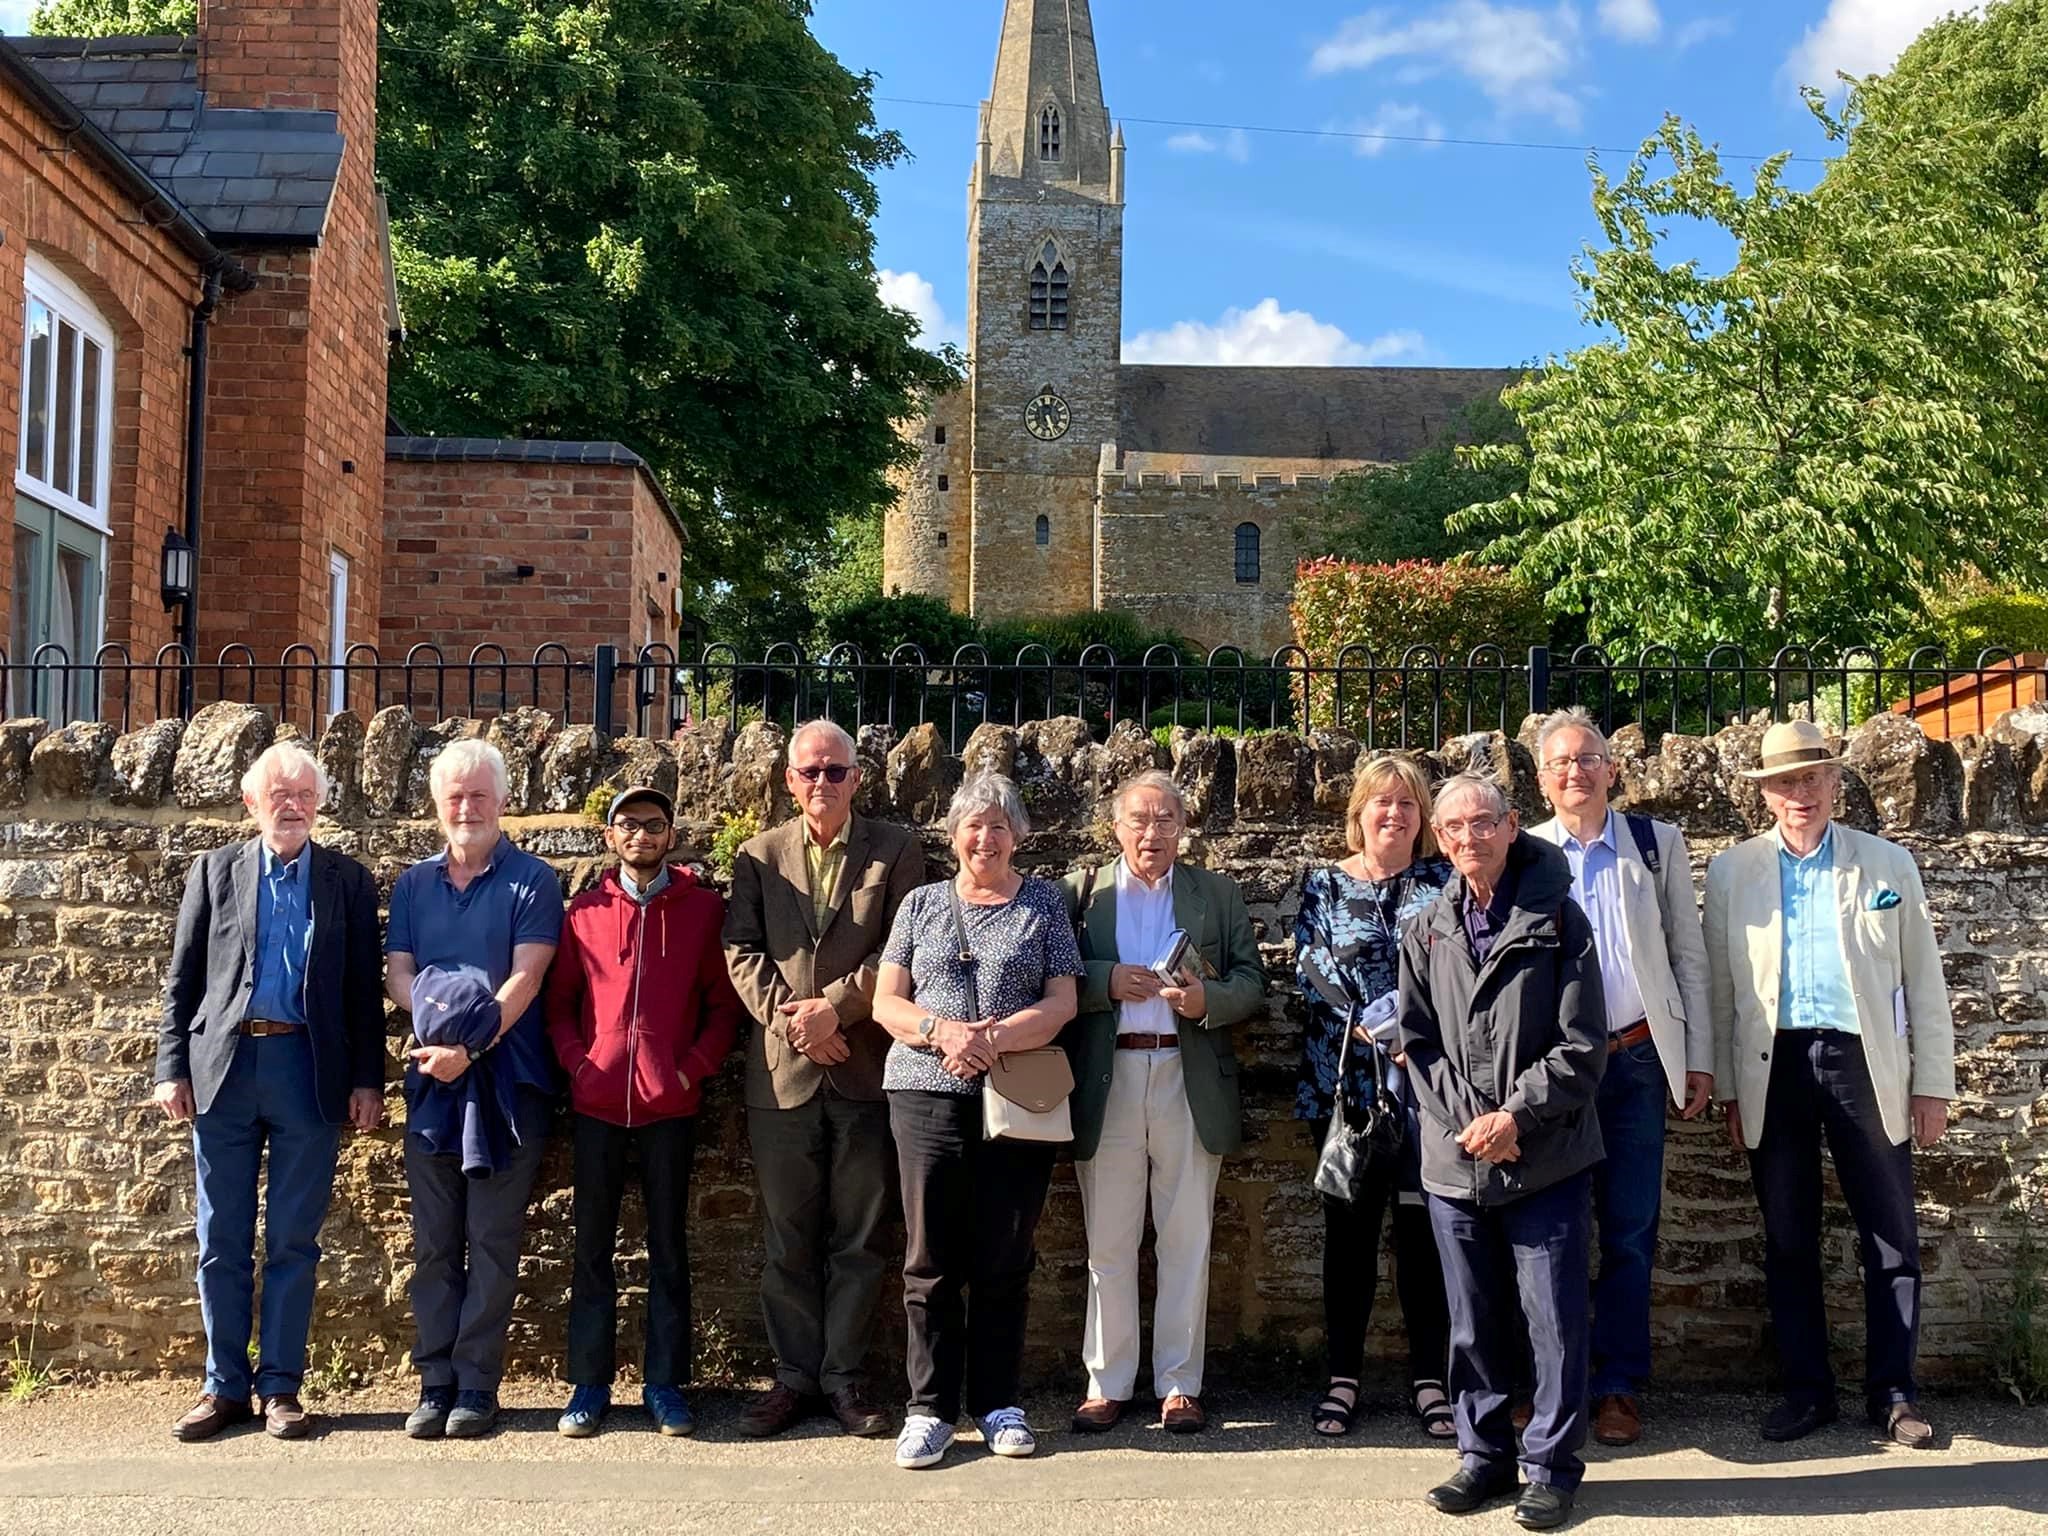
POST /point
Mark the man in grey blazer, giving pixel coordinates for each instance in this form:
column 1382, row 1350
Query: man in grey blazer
column 1831, row 1018
column 1633, row 879
column 811, row 905
column 272, row 1036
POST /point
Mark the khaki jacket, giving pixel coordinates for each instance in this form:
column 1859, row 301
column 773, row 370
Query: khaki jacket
column 777, row 951
column 1888, row 953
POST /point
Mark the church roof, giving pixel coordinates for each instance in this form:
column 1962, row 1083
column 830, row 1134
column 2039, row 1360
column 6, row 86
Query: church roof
column 1343, row 416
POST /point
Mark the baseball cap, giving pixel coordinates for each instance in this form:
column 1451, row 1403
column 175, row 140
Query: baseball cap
column 647, row 792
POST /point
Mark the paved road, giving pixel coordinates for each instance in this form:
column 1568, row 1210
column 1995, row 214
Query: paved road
column 102, row 1461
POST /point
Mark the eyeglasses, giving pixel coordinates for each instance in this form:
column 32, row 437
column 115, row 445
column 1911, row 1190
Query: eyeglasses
column 1586, row 762
column 1149, row 823
column 831, row 773
column 279, row 794
column 626, row 826
column 1479, row 828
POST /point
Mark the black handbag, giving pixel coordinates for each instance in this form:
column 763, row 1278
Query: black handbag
column 1361, row 1138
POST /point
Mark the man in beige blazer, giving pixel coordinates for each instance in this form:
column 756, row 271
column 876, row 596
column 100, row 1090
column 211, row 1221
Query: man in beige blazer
column 811, row 906
column 1633, row 879
column 1831, row 1018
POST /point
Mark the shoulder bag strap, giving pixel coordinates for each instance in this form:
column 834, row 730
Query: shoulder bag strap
column 965, row 955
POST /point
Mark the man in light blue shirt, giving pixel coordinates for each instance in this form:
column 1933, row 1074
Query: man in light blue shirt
column 284, row 936
column 1814, row 993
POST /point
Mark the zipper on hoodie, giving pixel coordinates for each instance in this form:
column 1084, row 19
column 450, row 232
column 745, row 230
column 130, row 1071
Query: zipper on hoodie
column 633, row 1005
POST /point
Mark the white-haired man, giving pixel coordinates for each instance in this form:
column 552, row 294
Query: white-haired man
column 1632, row 878
column 272, row 1038
column 812, row 904
column 488, row 915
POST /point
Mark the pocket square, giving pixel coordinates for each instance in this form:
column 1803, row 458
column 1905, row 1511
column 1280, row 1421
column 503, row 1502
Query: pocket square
column 1883, row 899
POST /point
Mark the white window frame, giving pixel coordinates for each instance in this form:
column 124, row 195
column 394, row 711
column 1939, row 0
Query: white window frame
column 337, row 630
column 68, row 304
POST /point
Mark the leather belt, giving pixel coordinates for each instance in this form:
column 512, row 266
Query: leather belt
column 1635, row 1034
column 261, row 1027
column 1148, row 1042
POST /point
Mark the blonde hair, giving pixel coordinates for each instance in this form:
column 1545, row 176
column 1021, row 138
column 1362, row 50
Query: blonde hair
column 1371, row 779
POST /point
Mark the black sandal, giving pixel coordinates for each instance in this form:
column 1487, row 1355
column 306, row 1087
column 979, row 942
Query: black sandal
column 1438, row 1421
column 1334, row 1411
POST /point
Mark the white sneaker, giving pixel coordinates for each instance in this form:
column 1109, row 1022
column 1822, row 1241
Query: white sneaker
column 1007, row 1434
column 923, row 1441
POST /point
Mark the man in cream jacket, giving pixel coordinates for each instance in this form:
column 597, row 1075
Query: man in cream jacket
column 1831, row 1019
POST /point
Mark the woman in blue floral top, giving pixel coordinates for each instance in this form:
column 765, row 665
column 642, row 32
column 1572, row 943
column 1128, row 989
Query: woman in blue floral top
column 1347, row 956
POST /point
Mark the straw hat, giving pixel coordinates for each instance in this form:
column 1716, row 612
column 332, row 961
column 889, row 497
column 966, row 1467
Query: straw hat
column 1789, row 747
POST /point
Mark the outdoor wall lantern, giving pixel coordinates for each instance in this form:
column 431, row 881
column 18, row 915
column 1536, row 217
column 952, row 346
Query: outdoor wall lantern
column 177, row 570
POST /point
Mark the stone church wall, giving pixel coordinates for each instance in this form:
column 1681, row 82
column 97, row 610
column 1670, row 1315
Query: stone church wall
column 927, row 533
column 96, row 837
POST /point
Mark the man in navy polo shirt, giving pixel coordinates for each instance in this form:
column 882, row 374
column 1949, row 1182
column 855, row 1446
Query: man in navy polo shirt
column 483, row 908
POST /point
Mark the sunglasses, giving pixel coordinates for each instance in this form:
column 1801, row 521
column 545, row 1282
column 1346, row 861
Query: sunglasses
column 831, row 773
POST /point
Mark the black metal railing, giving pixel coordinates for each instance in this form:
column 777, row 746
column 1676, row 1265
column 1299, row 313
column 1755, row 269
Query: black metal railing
column 1414, row 699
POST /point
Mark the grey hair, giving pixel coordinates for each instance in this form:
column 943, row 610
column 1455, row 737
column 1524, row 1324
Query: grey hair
column 1572, row 718
column 988, row 792
column 1469, row 783
column 1159, row 782
column 831, row 731
column 286, row 760
column 461, row 758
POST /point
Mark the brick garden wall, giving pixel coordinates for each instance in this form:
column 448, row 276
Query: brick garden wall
column 96, row 1190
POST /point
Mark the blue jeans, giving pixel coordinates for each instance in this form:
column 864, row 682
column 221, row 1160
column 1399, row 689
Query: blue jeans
column 1529, row 1254
column 1627, row 1190
column 267, row 1097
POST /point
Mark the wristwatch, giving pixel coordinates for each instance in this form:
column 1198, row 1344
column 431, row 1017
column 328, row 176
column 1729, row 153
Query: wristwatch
column 925, row 1026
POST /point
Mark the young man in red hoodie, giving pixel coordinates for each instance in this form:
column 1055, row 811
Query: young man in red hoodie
column 640, row 1011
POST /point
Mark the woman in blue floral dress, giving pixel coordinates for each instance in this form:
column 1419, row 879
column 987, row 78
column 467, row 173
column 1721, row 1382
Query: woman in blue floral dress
column 1347, row 956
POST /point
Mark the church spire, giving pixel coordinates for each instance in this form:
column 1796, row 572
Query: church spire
column 1047, row 119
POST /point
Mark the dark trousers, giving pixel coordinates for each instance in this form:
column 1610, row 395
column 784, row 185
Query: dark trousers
column 1628, row 1189
column 267, row 1100
column 604, row 1153
column 826, row 1172
column 1351, row 1263
column 1528, row 1254
column 1820, row 1086
column 465, row 1241
column 970, row 1212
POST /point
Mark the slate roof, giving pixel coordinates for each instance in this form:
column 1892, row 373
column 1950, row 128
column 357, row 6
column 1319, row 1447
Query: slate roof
column 1355, row 415
column 244, row 174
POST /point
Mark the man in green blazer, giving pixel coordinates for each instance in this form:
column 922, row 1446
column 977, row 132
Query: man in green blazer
column 1155, row 1102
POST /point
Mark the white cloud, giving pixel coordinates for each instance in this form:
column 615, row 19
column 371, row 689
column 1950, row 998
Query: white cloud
column 914, row 294
column 1268, row 336
column 1633, row 21
column 1396, row 121
column 14, row 16
column 1521, row 57
column 1235, row 144
column 1862, row 37
column 1702, row 29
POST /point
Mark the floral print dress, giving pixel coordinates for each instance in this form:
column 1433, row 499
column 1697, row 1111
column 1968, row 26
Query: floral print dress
column 1347, row 943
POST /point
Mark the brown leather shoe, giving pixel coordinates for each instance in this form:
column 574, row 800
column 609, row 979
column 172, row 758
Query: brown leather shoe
column 1618, row 1421
column 856, row 1415
column 1906, row 1424
column 773, row 1411
column 1097, row 1414
column 1182, row 1415
column 284, row 1419
column 210, row 1415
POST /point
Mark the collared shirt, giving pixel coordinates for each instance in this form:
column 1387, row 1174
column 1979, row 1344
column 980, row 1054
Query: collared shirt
column 654, row 887
column 824, row 865
column 1813, row 981
column 1483, row 924
column 1596, row 886
column 1144, row 917
column 284, row 936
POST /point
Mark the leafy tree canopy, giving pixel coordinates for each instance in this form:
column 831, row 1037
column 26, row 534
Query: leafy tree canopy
column 1805, row 445
column 1379, row 516
column 114, row 18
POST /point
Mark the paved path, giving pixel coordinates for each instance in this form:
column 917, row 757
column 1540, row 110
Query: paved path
column 102, row 1461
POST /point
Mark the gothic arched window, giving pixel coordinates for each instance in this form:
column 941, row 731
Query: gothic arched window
column 1043, row 532
column 1049, row 290
column 1049, row 134
column 1248, row 552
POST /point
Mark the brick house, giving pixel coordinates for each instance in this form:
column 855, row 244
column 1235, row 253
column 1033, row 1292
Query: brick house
column 199, row 217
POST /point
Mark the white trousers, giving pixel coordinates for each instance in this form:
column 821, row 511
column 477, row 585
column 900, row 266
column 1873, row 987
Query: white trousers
column 1148, row 1140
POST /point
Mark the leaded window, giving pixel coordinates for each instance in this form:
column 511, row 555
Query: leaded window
column 1248, row 552
column 1049, row 285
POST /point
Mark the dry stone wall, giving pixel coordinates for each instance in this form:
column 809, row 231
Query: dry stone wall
column 97, row 833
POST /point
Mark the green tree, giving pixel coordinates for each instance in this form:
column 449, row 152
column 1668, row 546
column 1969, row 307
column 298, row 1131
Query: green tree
column 114, row 18
column 1803, row 446
column 1380, row 516
column 650, row 220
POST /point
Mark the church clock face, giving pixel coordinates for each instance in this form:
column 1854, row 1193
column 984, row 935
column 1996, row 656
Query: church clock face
column 1047, row 416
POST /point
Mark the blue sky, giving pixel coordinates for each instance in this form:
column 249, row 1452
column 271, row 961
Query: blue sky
column 1278, row 248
